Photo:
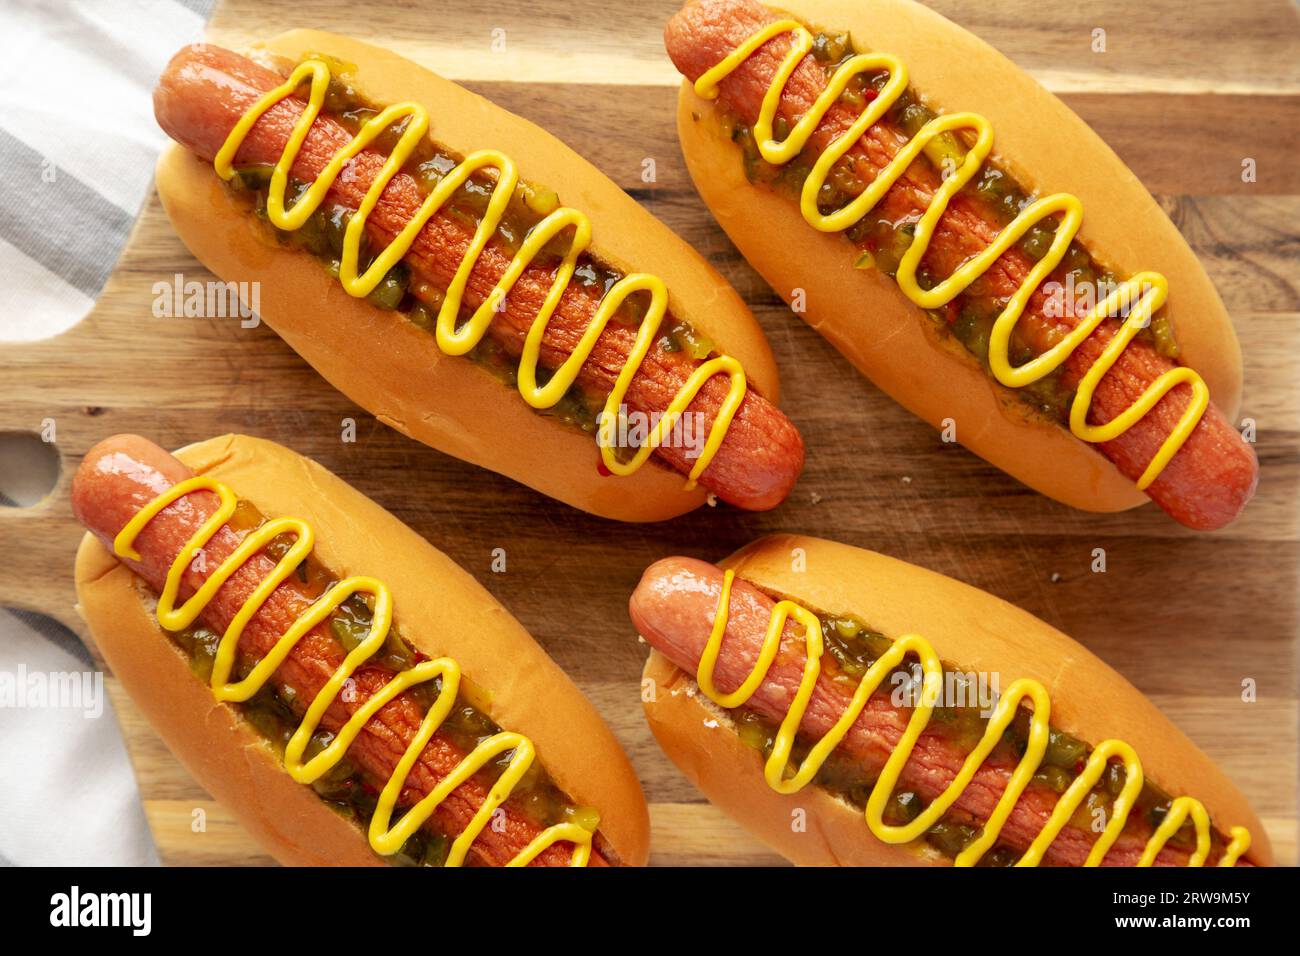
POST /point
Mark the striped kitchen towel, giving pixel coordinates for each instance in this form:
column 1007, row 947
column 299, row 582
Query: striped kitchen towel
column 77, row 145
column 77, row 148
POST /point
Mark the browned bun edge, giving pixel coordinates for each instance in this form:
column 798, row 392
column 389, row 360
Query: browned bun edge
column 449, row 403
column 810, row 828
column 863, row 313
column 975, row 631
column 442, row 611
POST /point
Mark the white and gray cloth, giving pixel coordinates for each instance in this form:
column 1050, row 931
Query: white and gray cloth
column 77, row 148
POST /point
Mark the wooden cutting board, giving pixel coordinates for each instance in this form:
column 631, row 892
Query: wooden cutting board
column 1184, row 93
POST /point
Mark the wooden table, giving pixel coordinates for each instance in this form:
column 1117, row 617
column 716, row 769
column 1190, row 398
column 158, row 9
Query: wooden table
column 1184, row 93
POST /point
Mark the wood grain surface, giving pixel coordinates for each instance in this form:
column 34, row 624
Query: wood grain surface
column 1184, row 92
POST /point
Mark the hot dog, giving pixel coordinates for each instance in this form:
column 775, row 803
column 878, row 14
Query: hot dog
column 1112, row 771
column 470, row 255
column 895, row 283
column 439, row 641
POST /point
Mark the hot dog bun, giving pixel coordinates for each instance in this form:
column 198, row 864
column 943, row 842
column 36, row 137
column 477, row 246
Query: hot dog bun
column 529, row 693
column 865, row 315
column 966, row 626
column 451, row 403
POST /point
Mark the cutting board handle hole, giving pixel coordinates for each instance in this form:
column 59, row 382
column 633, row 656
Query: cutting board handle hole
column 29, row 469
